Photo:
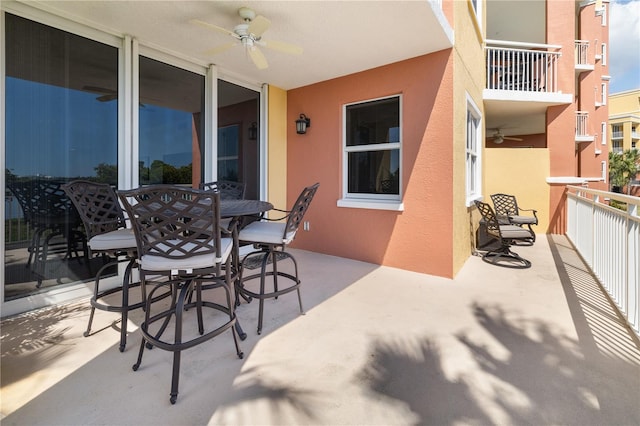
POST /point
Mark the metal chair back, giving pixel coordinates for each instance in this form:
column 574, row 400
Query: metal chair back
column 300, row 207
column 228, row 190
column 98, row 206
column 174, row 222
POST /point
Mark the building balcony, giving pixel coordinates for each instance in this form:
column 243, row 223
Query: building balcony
column 522, row 82
column 583, row 63
column 582, row 127
column 544, row 345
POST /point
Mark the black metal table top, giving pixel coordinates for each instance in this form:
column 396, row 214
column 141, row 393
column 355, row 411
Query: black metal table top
column 236, row 208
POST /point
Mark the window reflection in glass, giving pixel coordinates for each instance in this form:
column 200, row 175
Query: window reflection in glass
column 228, row 147
column 61, row 124
column 171, row 103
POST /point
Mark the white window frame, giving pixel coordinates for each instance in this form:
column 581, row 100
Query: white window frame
column 603, row 54
column 476, row 5
column 603, row 93
column 603, row 171
column 604, row 126
column 473, row 151
column 370, row 201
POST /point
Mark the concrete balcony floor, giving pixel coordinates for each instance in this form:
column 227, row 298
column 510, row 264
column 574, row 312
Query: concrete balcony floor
column 377, row 346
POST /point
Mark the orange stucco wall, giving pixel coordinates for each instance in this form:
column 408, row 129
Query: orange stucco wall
column 418, row 238
column 584, row 160
column 591, row 155
column 561, row 18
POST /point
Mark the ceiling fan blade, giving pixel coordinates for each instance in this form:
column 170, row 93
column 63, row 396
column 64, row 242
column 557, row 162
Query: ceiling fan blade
column 219, row 49
column 258, row 58
column 97, row 89
column 213, row 27
column 282, row 46
column 512, row 139
column 107, row 98
column 258, row 26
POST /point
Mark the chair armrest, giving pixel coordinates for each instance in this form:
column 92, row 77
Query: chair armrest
column 288, row 212
column 534, row 211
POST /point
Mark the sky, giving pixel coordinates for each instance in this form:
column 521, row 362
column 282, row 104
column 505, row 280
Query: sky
column 624, row 45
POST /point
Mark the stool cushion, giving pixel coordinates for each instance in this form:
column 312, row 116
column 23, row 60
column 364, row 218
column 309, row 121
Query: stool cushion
column 151, row 262
column 266, row 232
column 122, row 238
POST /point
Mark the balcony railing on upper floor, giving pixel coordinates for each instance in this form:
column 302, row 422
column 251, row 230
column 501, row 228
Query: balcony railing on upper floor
column 582, row 127
column 608, row 239
column 582, row 54
column 523, row 67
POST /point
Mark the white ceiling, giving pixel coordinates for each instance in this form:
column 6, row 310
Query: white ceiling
column 338, row 37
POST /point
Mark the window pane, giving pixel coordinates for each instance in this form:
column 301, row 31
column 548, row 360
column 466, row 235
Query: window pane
column 374, row 172
column 170, row 125
column 61, row 124
column 373, row 122
column 228, row 143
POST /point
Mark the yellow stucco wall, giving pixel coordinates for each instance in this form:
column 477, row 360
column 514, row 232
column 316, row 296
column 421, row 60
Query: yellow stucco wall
column 468, row 80
column 624, row 102
column 521, row 172
column 624, row 109
column 277, row 148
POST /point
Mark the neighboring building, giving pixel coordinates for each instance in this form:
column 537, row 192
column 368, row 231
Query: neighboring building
column 624, row 125
column 624, row 120
column 402, row 144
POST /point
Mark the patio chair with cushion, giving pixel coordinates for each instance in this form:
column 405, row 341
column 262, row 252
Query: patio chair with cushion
column 505, row 235
column 181, row 247
column 270, row 237
column 507, row 210
column 109, row 238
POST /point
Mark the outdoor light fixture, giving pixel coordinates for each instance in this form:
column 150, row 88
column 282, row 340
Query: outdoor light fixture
column 302, row 123
column 253, row 131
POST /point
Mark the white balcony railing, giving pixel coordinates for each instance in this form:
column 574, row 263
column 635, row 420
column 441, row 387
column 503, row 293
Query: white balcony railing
column 524, row 67
column 582, row 120
column 582, row 127
column 608, row 239
column 582, row 52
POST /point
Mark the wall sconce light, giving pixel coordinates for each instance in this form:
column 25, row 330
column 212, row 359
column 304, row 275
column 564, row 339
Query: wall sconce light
column 253, row 131
column 302, row 123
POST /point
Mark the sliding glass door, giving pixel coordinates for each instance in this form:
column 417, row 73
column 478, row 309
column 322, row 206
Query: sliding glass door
column 61, row 124
column 67, row 104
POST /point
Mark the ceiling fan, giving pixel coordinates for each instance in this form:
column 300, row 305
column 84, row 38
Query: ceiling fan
column 106, row 95
column 249, row 36
column 498, row 137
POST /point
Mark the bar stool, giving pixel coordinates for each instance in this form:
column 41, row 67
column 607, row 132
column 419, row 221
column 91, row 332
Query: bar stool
column 108, row 237
column 180, row 248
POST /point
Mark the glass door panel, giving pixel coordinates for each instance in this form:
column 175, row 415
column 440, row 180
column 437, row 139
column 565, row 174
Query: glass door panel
column 238, row 136
column 171, row 128
column 61, row 124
